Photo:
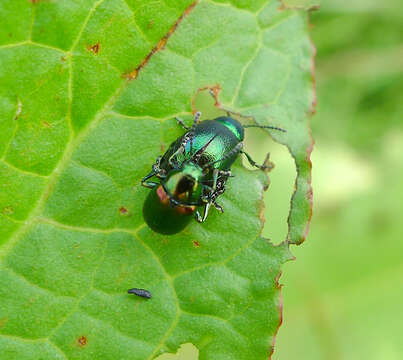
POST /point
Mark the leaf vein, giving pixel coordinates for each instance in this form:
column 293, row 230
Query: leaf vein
column 61, row 352
column 80, row 164
column 170, row 282
column 23, row 339
column 30, row 283
column 122, row 334
column 245, row 67
column 143, row 35
column 84, row 25
column 45, row 220
column 217, row 263
column 90, row 288
column 25, row 172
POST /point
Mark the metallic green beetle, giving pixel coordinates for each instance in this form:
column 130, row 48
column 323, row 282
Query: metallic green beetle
column 193, row 172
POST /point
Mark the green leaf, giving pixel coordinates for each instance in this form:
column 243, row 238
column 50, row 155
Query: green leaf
column 88, row 93
column 301, row 4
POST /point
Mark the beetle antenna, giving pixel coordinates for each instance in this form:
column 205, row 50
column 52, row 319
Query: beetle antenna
column 264, row 127
column 192, row 130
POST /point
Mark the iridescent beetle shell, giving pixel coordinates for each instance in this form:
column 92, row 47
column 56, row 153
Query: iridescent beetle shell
column 192, row 173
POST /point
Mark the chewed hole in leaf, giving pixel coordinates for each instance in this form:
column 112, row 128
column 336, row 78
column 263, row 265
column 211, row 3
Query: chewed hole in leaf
column 282, row 181
column 186, row 352
column 258, row 144
column 204, row 101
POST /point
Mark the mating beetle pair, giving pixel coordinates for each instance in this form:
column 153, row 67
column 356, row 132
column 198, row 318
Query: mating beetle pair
column 193, row 172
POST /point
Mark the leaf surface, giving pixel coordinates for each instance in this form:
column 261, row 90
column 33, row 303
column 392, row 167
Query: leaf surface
column 88, row 93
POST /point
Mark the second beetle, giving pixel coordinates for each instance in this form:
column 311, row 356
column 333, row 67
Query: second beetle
column 193, row 172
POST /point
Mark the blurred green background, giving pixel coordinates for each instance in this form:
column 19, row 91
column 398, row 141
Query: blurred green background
column 343, row 296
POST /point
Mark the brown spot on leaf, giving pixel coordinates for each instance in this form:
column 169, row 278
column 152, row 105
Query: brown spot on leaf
column 82, row 340
column 309, row 193
column 162, row 147
column 19, row 109
column 8, row 210
column 46, row 124
column 150, row 24
column 196, row 243
column 123, row 210
column 94, row 48
column 131, row 75
column 31, row 300
column 3, row 322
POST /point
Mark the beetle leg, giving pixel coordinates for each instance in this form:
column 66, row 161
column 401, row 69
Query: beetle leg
column 269, row 165
column 198, row 216
column 212, row 189
column 212, row 193
column 195, row 120
column 192, row 130
column 149, row 184
column 206, row 209
column 176, row 153
column 266, row 166
column 180, row 150
column 173, row 202
column 216, row 172
column 156, row 166
column 181, row 123
column 206, row 195
column 218, row 207
column 220, row 189
column 225, row 173
column 203, row 218
column 209, row 198
column 156, row 171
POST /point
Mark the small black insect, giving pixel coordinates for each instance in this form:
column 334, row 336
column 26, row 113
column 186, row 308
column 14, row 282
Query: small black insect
column 140, row 292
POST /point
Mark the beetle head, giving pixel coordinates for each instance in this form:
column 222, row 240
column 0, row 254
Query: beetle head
column 183, row 186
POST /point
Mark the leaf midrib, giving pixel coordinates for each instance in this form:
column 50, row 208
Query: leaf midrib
column 74, row 142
